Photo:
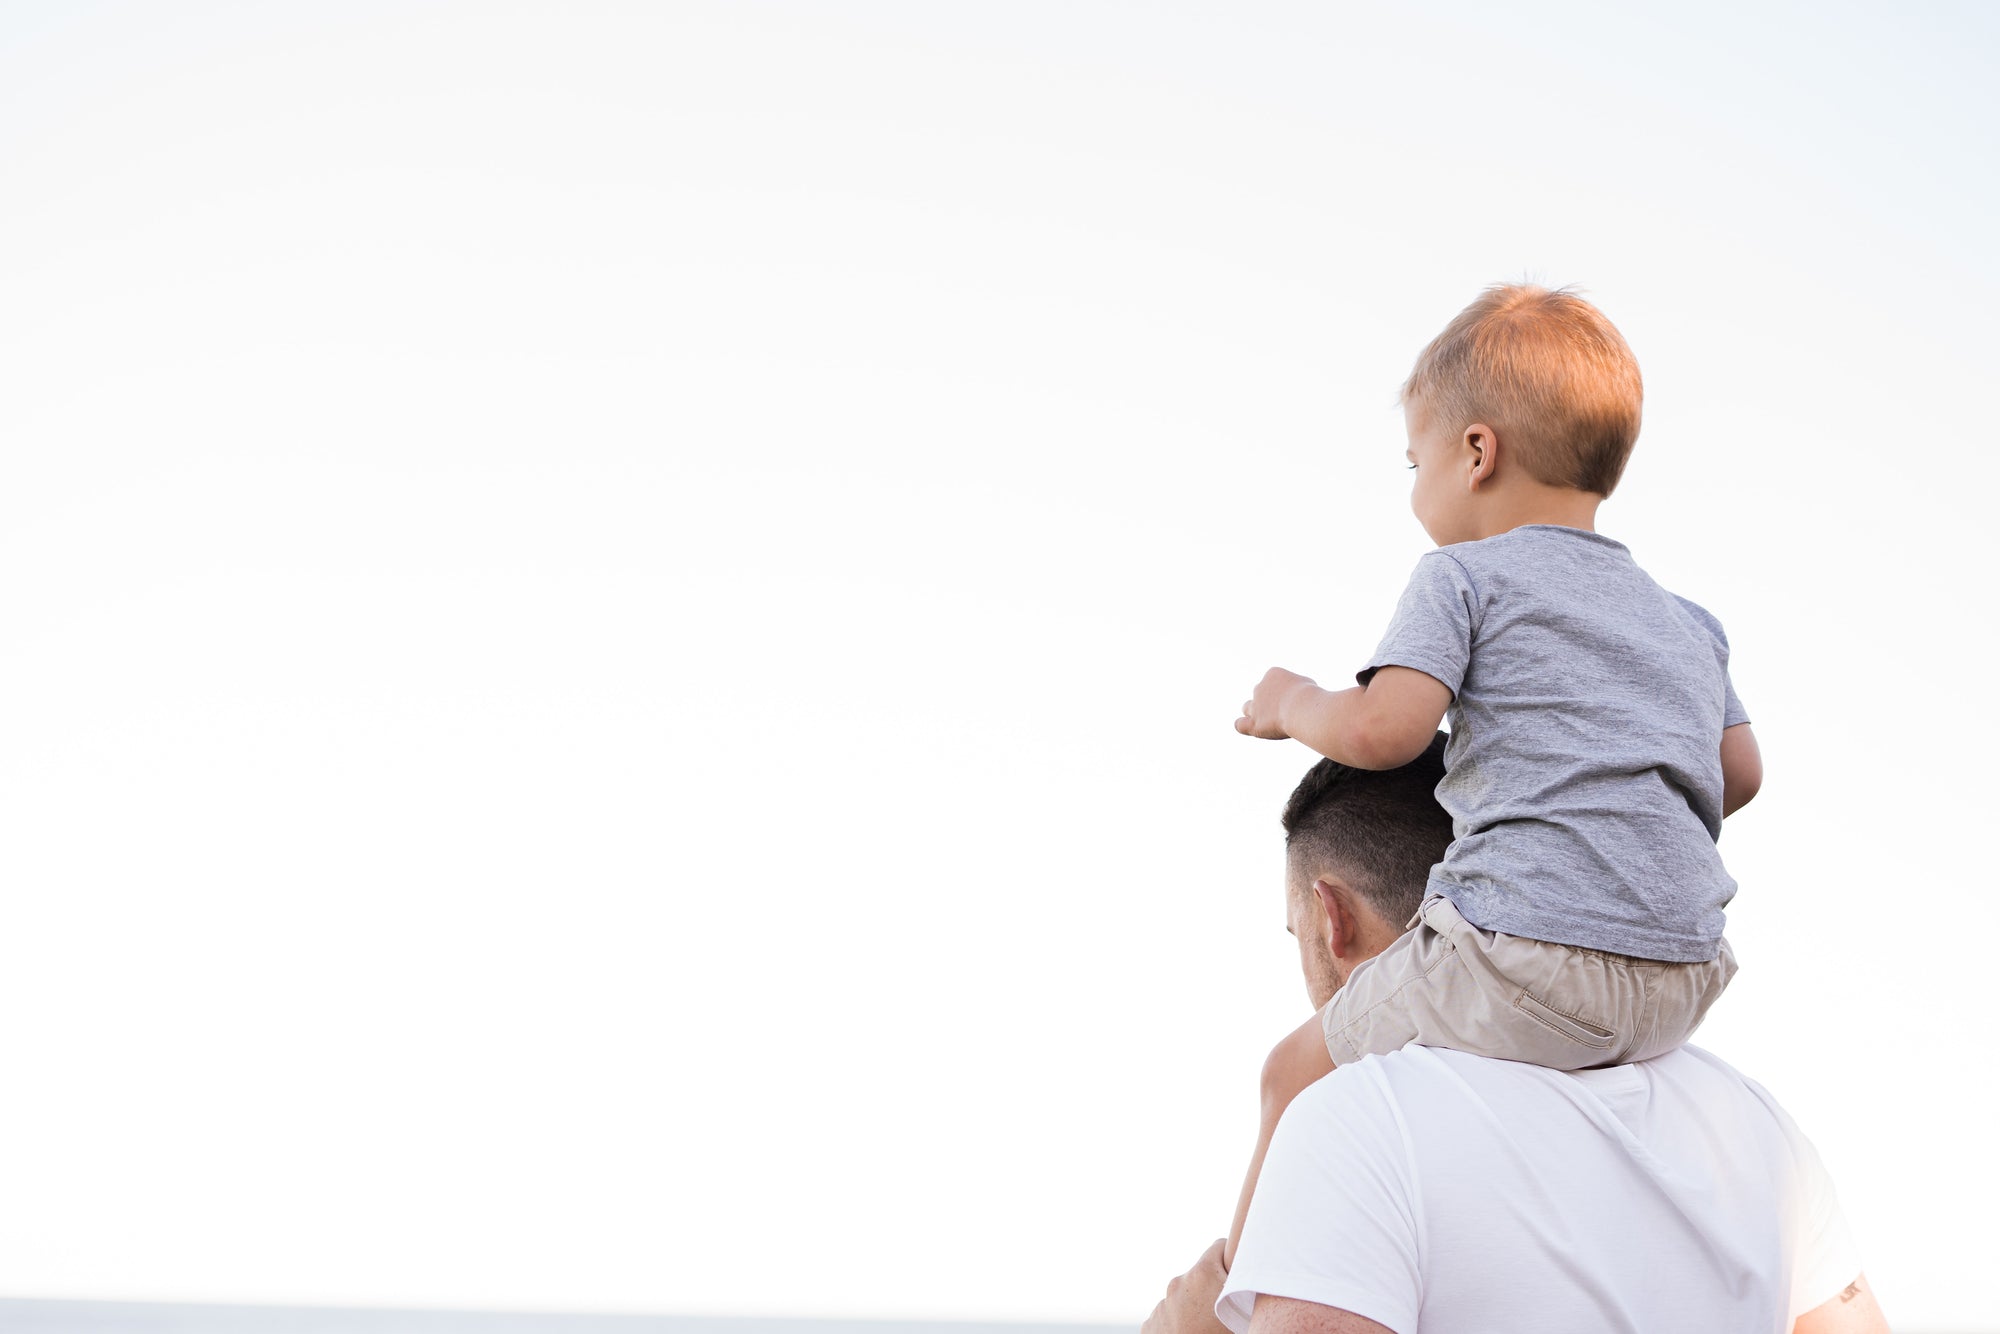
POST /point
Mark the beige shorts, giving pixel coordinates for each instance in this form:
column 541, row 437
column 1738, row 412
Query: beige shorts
column 1446, row 983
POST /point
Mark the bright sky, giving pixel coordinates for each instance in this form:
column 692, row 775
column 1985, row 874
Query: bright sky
column 619, row 623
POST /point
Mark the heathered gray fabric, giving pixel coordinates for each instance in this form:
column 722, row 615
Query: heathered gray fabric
column 1584, row 771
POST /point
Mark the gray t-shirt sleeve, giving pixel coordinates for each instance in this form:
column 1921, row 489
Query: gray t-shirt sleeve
column 1432, row 628
column 1732, row 707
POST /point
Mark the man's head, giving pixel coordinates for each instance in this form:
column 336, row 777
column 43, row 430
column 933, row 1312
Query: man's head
column 1359, row 846
column 1540, row 371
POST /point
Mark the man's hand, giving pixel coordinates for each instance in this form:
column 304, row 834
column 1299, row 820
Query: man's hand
column 1189, row 1306
column 1263, row 711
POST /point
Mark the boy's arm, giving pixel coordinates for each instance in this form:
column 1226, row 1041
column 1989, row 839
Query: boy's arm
column 1293, row 1064
column 1742, row 768
column 1382, row 725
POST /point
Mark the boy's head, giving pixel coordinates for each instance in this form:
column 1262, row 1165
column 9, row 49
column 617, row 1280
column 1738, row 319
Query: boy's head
column 1546, row 372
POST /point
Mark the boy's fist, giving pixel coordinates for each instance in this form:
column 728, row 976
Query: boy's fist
column 1263, row 711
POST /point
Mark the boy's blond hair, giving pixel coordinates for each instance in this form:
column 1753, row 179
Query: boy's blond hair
column 1547, row 372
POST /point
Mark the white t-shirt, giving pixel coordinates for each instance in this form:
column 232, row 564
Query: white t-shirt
column 1435, row 1191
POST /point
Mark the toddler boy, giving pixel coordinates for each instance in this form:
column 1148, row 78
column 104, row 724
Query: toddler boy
column 1596, row 742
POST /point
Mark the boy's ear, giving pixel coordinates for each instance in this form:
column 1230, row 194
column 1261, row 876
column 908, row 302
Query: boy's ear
column 1484, row 448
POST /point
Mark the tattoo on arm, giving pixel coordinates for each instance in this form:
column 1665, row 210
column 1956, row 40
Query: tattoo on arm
column 1850, row 1292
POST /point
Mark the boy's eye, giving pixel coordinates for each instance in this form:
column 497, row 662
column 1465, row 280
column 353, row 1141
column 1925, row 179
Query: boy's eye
column 1412, row 467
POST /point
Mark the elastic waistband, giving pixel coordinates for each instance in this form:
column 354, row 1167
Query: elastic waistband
column 1610, row 956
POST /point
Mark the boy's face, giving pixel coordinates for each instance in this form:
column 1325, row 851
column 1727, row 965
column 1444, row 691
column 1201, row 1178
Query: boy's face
column 1441, row 494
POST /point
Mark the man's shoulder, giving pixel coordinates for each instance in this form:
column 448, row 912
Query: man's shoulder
column 1686, row 1062
column 1434, row 1076
column 1421, row 1115
column 1524, row 1178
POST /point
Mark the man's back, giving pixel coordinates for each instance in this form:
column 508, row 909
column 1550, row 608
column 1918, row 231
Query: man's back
column 1432, row 1190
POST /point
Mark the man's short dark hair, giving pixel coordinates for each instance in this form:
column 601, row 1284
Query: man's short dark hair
column 1381, row 830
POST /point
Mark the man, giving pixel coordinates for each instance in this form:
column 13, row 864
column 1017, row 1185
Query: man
column 1435, row 1191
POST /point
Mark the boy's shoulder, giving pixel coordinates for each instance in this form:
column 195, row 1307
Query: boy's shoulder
column 1539, row 547
column 1539, row 537
column 1703, row 617
column 1542, row 563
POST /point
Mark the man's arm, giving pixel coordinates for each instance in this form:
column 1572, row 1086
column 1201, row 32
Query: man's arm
column 1742, row 768
column 1852, row 1311
column 1382, row 725
column 1288, row 1315
column 1189, row 1306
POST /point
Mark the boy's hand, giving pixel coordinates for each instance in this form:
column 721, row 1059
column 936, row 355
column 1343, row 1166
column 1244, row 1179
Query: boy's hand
column 1263, row 711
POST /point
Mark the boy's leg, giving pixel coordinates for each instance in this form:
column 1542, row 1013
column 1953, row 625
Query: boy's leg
column 1293, row 1064
column 1447, row 983
column 1397, row 997
column 1681, row 996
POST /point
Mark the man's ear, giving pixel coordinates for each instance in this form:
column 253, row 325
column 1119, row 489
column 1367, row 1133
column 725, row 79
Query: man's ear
column 1483, row 445
column 1340, row 922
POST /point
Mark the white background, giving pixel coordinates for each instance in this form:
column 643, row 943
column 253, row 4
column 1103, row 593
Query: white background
column 619, row 623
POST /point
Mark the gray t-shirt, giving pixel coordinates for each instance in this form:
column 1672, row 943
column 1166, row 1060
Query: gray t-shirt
column 1584, row 772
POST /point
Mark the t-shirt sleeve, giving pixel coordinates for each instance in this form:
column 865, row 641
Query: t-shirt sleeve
column 1733, row 712
column 1335, row 1217
column 1432, row 628
column 1826, row 1259
column 1732, row 707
